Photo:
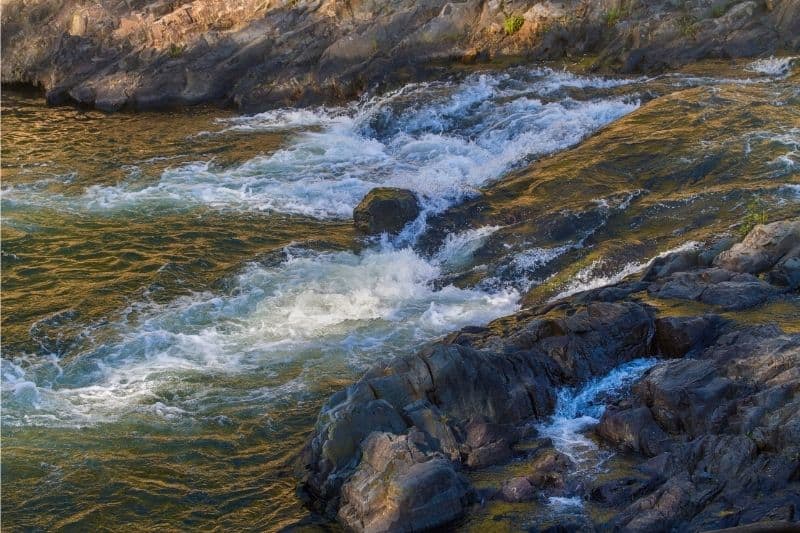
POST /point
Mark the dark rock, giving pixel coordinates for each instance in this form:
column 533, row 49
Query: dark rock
column 633, row 430
column 787, row 271
column 677, row 336
column 622, row 491
column 447, row 387
column 717, row 426
column 518, row 489
column 737, row 295
column 549, row 468
column 782, row 526
column 671, row 263
column 385, row 209
column 666, row 507
column 733, row 427
column 397, row 487
column 488, row 444
column 714, row 286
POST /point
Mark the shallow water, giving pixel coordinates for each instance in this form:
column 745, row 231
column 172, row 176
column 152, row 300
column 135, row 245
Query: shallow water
column 182, row 291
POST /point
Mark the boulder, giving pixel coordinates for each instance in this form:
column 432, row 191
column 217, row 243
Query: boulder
column 398, row 487
column 465, row 405
column 762, row 248
column 677, row 336
column 633, row 430
column 518, row 489
column 487, row 444
column 623, row 490
column 716, row 425
column 549, row 468
column 385, row 209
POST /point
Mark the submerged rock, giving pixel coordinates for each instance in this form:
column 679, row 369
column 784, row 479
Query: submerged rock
column 385, row 209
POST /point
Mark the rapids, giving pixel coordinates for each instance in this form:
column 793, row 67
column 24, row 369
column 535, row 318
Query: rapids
column 182, row 291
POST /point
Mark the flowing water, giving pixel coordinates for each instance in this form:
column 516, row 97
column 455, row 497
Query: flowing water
column 181, row 292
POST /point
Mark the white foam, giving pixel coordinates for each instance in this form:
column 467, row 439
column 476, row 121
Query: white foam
column 345, row 306
column 284, row 119
column 563, row 502
column 535, row 258
column 792, row 188
column 578, row 410
column 555, row 80
column 588, row 278
column 443, row 140
column 773, row 66
column 458, row 248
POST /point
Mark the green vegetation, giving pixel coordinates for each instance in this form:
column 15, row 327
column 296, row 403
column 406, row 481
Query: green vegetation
column 615, row 14
column 513, row 23
column 755, row 214
column 687, row 26
column 176, row 50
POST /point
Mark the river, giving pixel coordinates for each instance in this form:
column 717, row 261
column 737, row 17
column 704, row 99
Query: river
column 182, row 291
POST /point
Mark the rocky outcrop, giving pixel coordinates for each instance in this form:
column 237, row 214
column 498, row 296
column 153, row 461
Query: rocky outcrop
column 715, row 423
column 723, row 432
column 466, row 396
column 385, row 209
column 146, row 54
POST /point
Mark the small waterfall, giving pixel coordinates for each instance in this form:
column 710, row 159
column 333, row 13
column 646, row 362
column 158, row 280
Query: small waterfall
column 578, row 410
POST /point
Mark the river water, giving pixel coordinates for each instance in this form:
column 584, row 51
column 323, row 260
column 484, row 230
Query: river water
column 182, row 291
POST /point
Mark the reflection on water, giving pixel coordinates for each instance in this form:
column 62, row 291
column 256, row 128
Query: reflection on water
column 182, row 291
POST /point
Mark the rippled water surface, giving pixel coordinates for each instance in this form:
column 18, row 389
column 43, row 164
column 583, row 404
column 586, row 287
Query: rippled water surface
column 182, row 291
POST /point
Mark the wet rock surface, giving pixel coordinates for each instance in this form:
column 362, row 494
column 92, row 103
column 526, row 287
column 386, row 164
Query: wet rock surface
column 713, row 427
column 385, row 209
column 255, row 55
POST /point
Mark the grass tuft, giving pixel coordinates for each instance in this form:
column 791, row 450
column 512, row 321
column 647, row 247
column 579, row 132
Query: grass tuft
column 176, row 50
column 687, row 25
column 513, row 24
column 614, row 15
column 755, row 214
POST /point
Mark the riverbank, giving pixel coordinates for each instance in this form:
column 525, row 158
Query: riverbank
column 258, row 55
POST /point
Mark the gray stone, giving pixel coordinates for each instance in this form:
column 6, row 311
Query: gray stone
column 518, row 489
column 397, row 487
column 762, row 248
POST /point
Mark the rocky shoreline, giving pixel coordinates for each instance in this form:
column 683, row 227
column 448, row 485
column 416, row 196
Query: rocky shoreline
column 713, row 426
column 254, row 55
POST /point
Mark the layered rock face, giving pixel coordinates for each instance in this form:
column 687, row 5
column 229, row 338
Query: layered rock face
column 255, row 55
column 715, row 425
